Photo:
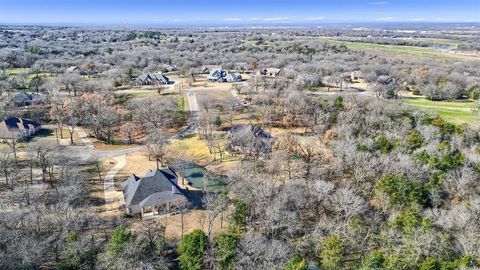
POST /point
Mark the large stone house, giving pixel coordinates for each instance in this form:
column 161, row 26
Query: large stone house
column 217, row 75
column 17, row 128
column 152, row 79
column 156, row 193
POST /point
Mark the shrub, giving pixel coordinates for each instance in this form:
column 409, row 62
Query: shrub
column 445, row 128
column 400, row 190
column 375, row 260
column 362, row 148
column 414, row 139
column 297, row 262
column 410, row 218
column 218, row 121
column 192, row 249
column 225, row 244
column 240, row 215
column 332, row 254
column 423, row 157
column 430, row 264
column 383, row 145
column 447, row 162
column 119, row 239
column 338, row 103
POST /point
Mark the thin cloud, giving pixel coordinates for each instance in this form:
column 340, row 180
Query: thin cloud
column 417, row 19
column 276, row 19
column 232, row 20
column 315, row 19
column 385, row 19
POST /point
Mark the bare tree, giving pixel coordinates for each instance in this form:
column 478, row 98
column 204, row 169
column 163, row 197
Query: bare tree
column 156, row 145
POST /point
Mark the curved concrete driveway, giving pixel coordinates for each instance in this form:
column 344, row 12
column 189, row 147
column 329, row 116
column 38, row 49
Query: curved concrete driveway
column 111, row 195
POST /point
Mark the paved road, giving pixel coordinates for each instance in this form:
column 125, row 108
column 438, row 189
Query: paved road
column 192, row 121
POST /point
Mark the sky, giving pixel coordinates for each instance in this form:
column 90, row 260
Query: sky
column 236, row 11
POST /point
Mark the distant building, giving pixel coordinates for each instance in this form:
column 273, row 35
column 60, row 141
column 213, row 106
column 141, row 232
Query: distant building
column 249, row 138
column 17, row 128
column 385, row 80
column 27, row 99
column 156, row 193
column 217, row 75
column 72, row 69
column 356, row 76
column 269, row 72
column 234, row 77
column 209, row 68
column 152, row 79
column 169, row 68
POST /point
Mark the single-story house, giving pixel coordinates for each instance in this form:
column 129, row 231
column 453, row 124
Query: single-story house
column 217, row 75
column 72, row 69
column 356, row 76
column 156, row 193
column 249, row 138
column 234, row 77
column 27, row 99
column 385, row 80
column 209, row 68
column 269, row 72
column 169, row 68
column 152, row 79
column 18, row 128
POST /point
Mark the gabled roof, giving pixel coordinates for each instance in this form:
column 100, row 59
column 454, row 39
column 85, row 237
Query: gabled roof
column 256, row 130
column 16, row 125
column 23, row 98
column 138, row 190
column 144, row 77
column 148, row 77
column 217, row 74
column 72, row 68
column 385, row 80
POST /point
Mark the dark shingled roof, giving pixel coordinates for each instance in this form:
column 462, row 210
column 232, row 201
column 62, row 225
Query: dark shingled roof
column 16, row 125
column 256, row 130
column 24, row 99
column 155, row 187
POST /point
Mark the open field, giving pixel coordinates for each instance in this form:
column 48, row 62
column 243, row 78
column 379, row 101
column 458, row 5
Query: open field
column 426, row 52
column 455, row 112
column 16, row 71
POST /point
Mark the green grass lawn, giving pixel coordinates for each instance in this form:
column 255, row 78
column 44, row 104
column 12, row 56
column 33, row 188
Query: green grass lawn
column 425, row 52
column 458, row 112
column 16, row 71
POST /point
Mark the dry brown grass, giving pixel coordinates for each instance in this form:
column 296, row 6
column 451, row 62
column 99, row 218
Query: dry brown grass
column 192, row 219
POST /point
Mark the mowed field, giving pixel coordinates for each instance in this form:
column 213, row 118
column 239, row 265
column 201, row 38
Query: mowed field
column 458, row 112
column 424, row 52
